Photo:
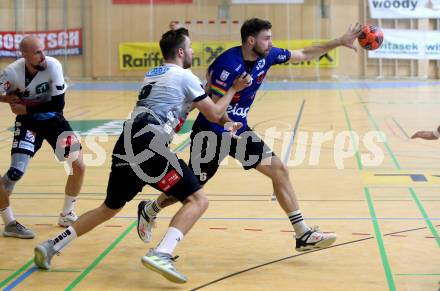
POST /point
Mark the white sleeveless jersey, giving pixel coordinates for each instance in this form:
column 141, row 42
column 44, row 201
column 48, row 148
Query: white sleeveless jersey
column 169, row 91
column 45, row 84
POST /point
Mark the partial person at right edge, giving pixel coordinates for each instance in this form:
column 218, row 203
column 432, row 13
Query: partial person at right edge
column 427, row 134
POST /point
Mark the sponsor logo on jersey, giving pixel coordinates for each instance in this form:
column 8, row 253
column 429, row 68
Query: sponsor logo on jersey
column 26, row 146
column 236, row 98
column 157, row 71
column 224, row 75
column 260, row 77
column 261, row 64
column 30, row 136
column 169, row 180
column 5, row 85
column 220, row 83
column 282, row 58
column 237, row 69
column 42, row 88
column 238, row 111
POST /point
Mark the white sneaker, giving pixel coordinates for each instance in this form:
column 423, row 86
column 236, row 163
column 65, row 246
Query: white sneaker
column 145, row 222
column 314, row 239
column 43, row 254
column 67, row 220
column 163, row 264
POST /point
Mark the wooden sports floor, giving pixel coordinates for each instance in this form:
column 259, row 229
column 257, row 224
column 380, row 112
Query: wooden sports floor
column 386, row 213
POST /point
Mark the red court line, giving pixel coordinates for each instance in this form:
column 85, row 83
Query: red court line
column 253, row 229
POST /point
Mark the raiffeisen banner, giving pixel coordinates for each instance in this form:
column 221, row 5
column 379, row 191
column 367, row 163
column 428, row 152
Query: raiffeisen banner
column 144, row 55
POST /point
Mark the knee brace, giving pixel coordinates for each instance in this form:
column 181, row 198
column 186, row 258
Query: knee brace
column 16, row 171
column 11, row 177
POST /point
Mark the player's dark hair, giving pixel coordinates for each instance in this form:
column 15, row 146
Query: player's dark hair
column 252, row 27
column 171, row 41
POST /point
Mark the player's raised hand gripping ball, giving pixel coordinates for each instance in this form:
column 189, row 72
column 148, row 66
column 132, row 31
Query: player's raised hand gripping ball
column 371, row 37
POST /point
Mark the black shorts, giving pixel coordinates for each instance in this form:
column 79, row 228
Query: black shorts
column 205, row 159
column 162, row 171
column 29, row 135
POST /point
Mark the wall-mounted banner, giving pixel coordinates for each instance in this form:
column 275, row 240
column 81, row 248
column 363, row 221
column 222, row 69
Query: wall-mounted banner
column 408, row 44
column 404, row 8
column 267, row 1
column 56, row 42
column 144, row 55
column 151, row 1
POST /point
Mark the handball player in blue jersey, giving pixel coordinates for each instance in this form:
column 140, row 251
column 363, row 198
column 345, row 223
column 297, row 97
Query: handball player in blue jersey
column 255, row 56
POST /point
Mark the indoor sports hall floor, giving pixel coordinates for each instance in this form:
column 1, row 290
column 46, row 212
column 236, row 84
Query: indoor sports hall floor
column 386, row 216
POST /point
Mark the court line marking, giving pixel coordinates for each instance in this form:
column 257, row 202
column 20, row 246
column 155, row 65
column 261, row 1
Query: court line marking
column 76, row 280
column 379, row 240
column 93, row 265
column 20, row 279
column 297, row 255
column 292, row 140
column 16, row 273
column 265, row 218
column 401, row 128
column 425, row 215
column 347, row 120
column 376, row 227
column 417, row 274
column 398, row 167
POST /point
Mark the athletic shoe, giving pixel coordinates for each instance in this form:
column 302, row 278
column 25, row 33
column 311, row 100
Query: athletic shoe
column 16, row 229
column 145, row 222
column 163, row 264
column 67, row 220
column 43, row 254
column 314, row 239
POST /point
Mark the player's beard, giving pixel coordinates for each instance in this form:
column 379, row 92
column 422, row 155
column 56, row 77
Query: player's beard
column 40, row 67
column 260, row 54
column 187, row 62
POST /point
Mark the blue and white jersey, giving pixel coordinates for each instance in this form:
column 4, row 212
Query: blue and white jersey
column 225, row 69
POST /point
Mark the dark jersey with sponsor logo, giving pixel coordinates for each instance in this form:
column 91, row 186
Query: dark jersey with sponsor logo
column 228, row 66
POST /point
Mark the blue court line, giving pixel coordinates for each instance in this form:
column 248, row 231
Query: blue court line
column 21, row 278
column 270, row 86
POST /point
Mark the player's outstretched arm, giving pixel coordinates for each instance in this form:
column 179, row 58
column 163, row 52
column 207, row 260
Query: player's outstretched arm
column 428, row 135
column 315, row 51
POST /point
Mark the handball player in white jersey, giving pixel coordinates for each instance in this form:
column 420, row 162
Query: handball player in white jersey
column 34, row 87
column 141, row 155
